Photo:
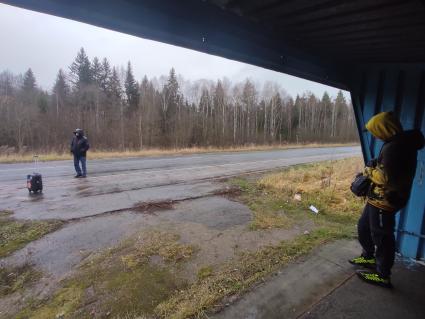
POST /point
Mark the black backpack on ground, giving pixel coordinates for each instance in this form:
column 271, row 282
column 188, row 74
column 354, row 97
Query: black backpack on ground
column 34, row 180
column 34, row 183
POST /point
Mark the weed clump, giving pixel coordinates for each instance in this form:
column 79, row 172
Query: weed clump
column 205, row 272
column 157, row 243
column 13, row 279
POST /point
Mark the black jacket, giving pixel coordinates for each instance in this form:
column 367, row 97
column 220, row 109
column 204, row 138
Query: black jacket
column 79, row 146
column 395, row 170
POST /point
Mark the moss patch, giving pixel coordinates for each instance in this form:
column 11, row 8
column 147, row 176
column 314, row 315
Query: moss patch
column 13, row 279
column 66, row 300
column 14, row 233
column 120, row 282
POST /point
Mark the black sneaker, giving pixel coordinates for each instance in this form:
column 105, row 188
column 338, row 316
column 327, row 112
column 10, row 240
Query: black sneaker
column 364, row 262
column 374, row 278
column 77, row 176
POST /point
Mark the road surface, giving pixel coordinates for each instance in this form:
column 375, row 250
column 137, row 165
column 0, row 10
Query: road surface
column 116, row 184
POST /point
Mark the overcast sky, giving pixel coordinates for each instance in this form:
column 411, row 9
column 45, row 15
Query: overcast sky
column 46, row 43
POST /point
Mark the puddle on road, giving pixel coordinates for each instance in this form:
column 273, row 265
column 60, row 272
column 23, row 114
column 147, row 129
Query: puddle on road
column 35, row 197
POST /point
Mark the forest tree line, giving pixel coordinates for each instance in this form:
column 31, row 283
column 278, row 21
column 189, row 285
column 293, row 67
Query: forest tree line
column 118, row 112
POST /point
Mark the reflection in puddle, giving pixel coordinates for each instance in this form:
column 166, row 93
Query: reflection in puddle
column 36, row 197
column 83, row 189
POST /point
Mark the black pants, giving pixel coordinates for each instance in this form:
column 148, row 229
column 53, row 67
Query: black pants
column 376, row 235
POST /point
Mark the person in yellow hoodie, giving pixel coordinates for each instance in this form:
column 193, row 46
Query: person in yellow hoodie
column 391, row 175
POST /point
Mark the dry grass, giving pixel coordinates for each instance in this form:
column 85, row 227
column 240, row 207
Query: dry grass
column 45, row 157
column 335, row 175
column 163, row 244
column 266, row 219
column 325, row 185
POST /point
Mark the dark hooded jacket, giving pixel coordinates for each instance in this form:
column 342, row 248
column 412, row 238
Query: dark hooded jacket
column 395, row 168
column 80, row 145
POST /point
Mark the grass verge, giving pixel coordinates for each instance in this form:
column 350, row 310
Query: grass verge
column 14, row 234
column 55, row 156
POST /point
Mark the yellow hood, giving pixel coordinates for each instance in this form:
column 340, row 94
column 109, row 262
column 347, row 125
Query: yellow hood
column 384, row 125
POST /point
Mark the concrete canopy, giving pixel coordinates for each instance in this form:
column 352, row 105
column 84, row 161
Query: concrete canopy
column 318, row 40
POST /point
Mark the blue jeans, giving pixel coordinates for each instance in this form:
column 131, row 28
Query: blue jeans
column 77, row 160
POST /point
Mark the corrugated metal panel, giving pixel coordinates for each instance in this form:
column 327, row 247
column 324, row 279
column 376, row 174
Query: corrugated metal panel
column 400, row 89
column 345, row 30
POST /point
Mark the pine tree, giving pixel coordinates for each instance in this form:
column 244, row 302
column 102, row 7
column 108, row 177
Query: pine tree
column 61, row 87
column 172, row 88
column 29, row 82
column 173, row 108
column 220, row 107
column 105, row 76
column 131, row 88
column 116, row 93
column 42, row 102
column 60, row 90
column 326, row 105
column 340, row 109
column 96, row 70
column 115, row 84
column 248, row 100
column 80, row 70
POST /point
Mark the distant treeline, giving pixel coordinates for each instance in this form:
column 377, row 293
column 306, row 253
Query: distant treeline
column 118, row 112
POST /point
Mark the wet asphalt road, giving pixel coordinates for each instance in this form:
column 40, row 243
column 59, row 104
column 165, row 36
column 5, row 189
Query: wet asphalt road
column 115, row 184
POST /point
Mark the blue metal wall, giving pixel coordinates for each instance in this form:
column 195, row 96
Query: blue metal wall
column 400, row 89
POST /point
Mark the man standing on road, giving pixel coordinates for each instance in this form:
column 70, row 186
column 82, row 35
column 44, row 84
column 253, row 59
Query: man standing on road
column 391, row 176
column 79, row 148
